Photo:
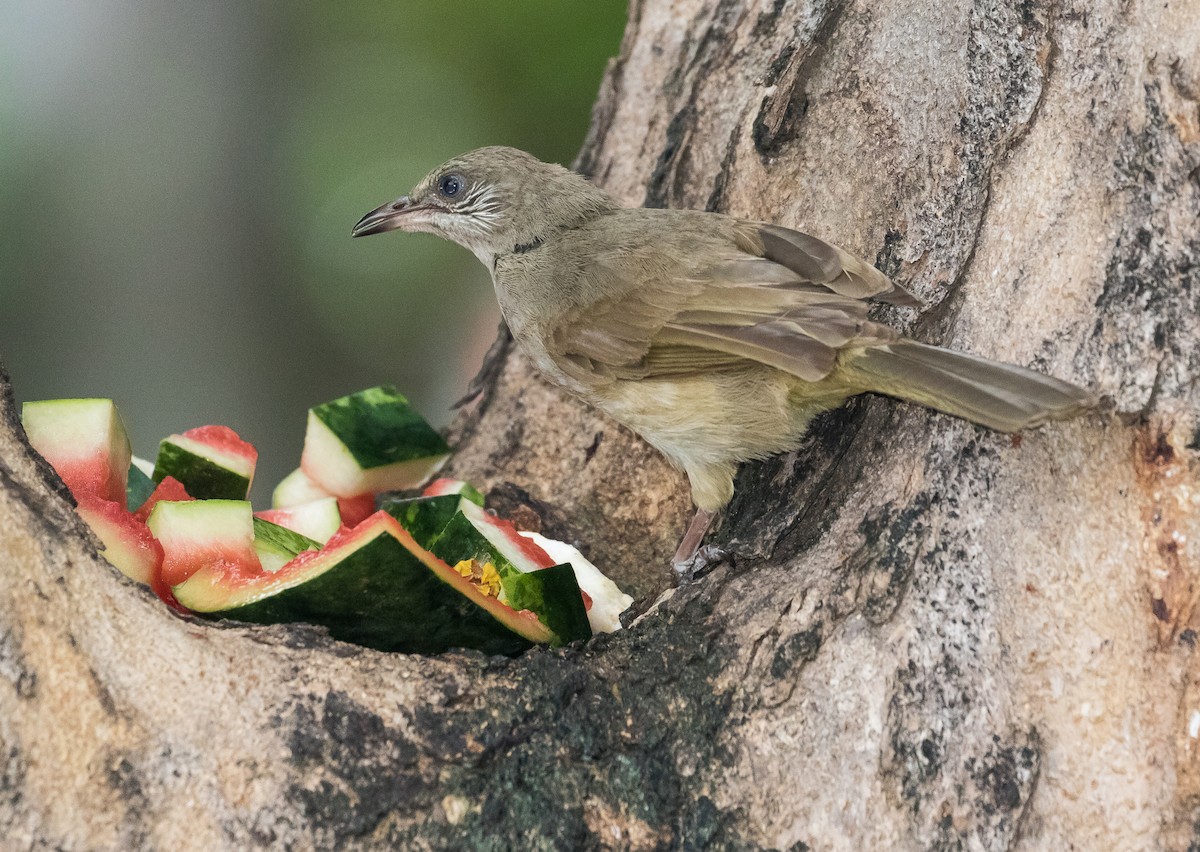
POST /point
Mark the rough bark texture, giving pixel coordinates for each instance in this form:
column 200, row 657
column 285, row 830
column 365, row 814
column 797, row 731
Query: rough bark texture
column 929, row 635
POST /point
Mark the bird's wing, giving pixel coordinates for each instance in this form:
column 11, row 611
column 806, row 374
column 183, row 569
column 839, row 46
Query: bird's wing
column 776, row 297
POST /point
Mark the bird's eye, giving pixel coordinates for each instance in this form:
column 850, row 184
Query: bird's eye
column 451, row 185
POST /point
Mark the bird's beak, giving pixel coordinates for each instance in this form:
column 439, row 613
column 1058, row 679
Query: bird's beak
column 386, row 217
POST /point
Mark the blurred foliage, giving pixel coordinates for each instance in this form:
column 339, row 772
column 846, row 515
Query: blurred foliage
column 178, row 182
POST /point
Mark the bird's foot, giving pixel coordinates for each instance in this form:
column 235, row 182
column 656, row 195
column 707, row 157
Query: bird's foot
column 700, row 563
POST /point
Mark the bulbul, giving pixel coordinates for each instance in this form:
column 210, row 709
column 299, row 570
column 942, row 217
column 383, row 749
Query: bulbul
column 714, row 338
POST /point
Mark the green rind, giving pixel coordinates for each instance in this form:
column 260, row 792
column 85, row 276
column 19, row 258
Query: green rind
column 203, row 478
column 553, row 594
column 381, row 596
column 283, row 538
column 554, row 598
column 277, row 545
column 424, row 517
column 459, row 540
column 379, row 427
column 138, row 488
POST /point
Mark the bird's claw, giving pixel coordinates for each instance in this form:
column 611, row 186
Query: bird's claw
column 699, row 564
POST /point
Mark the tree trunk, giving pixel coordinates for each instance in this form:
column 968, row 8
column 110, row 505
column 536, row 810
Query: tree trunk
column 927, row 636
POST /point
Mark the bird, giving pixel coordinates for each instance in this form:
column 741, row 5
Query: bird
column 715, row 338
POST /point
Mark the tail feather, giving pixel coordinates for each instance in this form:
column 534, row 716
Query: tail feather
column 991, row 393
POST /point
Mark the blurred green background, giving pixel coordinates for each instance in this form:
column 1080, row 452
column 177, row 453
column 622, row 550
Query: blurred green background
column 178, row 182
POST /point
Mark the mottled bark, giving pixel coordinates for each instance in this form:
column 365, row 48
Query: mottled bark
column 928, row 635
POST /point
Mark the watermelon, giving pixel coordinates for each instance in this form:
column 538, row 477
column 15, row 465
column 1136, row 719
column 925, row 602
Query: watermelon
column 607, row 601
column 277, row 545
column 85, row 442
column 424, row 517
column 296, row 489
column 198, row 534
column 127, row 542
column 318, row 519
column 474, row 543
column 212, row 462
column 553, row 594
column 369, row 442
column 372, row 585
column 525, row 554
column 443, row 487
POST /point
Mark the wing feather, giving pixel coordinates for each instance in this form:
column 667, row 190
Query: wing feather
column 777, row 297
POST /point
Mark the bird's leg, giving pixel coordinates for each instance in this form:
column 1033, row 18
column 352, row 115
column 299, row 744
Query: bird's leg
column 691, row 560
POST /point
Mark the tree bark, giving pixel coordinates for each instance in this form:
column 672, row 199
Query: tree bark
column 927, row 635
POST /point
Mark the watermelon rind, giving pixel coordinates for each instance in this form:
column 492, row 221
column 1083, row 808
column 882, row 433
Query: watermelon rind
column 277, row 545
column 373, row 586
column 424, row 517
column 369, row 442
column 86, row 443
column 207, row 472
column 138, row 487
column 555, row 599
column 198, row 533
column 608, row 601
column 553, row 594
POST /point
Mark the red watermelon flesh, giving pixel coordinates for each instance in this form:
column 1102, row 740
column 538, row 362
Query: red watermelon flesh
column 169, row 489
column 355, row 510
column 127, row 541
column 224, row 440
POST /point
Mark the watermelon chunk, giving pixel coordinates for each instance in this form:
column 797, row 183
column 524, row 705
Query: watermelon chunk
column 318, row 519
column 296, row 489
column 277, row 545
column 212, row 462
column 553, row 594
column 204, row 534
column 607, row 600
column 127, row 542
column 481, row 546
column 372, row 585
column 369, row 442
column 85, row 442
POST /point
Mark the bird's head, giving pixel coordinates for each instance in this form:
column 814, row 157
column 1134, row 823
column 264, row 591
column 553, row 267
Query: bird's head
column 491, row 201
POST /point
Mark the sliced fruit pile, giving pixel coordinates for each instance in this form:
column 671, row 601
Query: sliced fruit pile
column 419, row 574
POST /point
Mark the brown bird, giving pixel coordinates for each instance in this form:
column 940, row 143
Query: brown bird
column 714, row 338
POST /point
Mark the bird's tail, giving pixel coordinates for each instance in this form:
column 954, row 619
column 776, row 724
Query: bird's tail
column 993, row 394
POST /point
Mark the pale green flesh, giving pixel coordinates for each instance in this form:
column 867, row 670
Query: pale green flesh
column 296, row 488
column 191, row 523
